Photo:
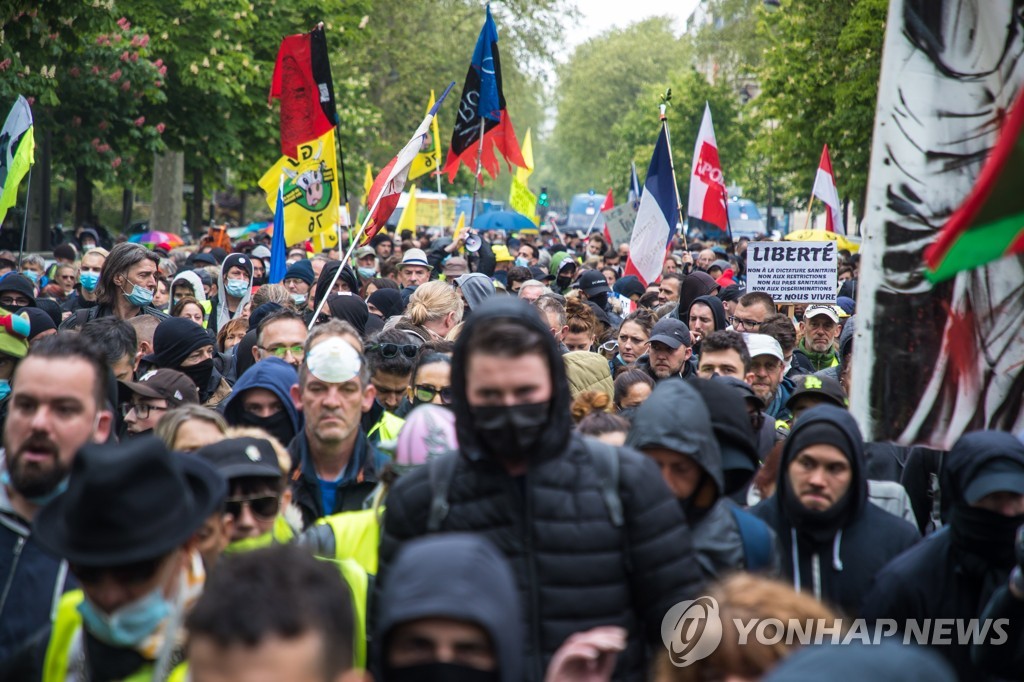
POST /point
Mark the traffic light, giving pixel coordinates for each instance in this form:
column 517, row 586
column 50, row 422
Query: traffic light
column 542, row 199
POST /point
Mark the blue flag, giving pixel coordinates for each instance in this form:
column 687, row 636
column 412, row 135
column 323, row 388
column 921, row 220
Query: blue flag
column 278, row 250
column 489, row 105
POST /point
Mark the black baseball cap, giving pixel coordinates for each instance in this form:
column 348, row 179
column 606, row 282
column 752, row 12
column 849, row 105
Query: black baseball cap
column 825, row 388
column 593, row 283
column 242, row 457
column 168, row 384
column 671, row 332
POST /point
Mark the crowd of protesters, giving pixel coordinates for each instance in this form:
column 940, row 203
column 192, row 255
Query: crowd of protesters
column 441, row 463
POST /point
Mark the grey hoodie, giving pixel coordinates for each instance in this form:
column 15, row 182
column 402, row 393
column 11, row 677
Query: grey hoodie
column 476, row 287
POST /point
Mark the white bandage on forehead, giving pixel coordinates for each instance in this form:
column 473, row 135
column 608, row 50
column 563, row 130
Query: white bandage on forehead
column 333, row 360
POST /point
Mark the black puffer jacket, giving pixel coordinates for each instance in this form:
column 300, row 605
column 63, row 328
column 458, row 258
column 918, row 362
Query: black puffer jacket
column 574, row 569
column 838, row 562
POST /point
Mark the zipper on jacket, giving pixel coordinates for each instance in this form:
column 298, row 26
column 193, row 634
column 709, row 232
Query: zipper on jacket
column 14, row 569
column 532, row 564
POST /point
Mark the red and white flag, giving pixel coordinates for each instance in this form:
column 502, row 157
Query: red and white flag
column 389, row 183
column 707, row 184
column 825, row 189
column 609, row 204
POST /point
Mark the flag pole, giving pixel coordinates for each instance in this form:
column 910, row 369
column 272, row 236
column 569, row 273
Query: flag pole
column 477, row 181
column 24, row 219
column 810, row 204
column 672, row 165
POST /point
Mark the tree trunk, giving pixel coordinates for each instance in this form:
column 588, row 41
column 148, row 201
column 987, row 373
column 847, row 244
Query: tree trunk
column 168, row 179
column 242, row 196
column 197, row 202
column 127, row 203
column 38, row 236
column 83, row 197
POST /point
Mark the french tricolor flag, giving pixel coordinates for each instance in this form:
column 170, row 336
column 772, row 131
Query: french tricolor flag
column 656, row 218
column 825, row 189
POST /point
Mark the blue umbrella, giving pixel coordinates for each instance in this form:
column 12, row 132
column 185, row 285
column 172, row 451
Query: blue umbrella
column 503, row 220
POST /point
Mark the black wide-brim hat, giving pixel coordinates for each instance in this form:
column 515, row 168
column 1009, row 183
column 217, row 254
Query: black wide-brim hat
column 129, row 503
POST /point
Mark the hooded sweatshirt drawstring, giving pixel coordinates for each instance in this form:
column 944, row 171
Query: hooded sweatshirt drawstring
column 796, row 560
column 837, row 563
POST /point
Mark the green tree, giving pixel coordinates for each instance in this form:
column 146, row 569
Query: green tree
column 819, row 81
column 604, row 78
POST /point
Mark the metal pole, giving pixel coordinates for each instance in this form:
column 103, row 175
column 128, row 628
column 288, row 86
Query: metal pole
column 479, row 169
column 675, row 185
column 24, row 219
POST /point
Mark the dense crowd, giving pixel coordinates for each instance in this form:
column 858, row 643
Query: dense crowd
column 441, row 463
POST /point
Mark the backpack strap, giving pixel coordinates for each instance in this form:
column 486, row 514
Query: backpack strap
column 606, row 462
column 442, row 471
column 757, row 541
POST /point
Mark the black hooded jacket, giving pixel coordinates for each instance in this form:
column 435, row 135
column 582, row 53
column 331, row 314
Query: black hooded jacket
column 954, row 572
column 574, row 568
column 460, row 576
column 836, row 563
column 676, row 418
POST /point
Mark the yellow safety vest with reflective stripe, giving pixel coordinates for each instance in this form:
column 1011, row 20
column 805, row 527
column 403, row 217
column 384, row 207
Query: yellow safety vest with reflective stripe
column 388, row 427
column 358, row 583
column 356, row 536
column 280, row 534
column 58, row 651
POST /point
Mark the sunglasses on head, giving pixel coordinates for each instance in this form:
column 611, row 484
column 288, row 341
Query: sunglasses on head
column 424, row 393
column 390, row 350
column 130, row 574
column 261, row 506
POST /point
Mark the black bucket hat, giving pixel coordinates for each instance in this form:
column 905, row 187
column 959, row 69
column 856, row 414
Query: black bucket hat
column 128, row 503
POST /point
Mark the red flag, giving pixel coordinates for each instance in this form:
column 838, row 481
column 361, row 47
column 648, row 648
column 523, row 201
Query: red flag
column 302, row 81
column 825, row 189
column 707, row 204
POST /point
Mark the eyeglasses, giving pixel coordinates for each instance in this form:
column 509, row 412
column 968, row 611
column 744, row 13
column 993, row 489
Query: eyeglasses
column 9, row 301
column 261, row 506
column 390, row 350
column 142, row 410
column 283, row 351
column 746, row 324
column 131, row 574
column 424, row 393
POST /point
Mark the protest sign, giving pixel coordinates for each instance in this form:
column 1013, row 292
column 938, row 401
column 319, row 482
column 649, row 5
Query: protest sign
column 793, row 272
column 620, row 222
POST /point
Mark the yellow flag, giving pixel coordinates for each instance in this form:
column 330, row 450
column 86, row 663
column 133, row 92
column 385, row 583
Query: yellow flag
column 527, row 149
column 407, row 223
column 310, row 192
column 429, row 158
column 459, row 227
column 367, row 184
column 521, row 199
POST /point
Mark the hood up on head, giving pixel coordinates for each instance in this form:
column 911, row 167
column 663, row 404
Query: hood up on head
column 675, row 417
column 694, row 285
column 457, row 576
column 717, row 311
column 559, row 425
column 476, row 287
column 193, row 281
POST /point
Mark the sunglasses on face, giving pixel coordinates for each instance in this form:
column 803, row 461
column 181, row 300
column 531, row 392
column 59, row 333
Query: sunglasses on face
column 261, row 506
column 131, row 574
column 390, row 350
column 424, row 393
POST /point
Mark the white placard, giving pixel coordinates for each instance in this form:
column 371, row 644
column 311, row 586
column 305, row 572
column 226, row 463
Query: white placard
column 620, row 222
column 793, row 272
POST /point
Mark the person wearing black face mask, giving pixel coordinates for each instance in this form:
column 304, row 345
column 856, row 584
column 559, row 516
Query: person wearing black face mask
column 834, row 540
column 449, row 613
column 955, row 572
column 181, row 344
column 525, row 481
column 261, row 398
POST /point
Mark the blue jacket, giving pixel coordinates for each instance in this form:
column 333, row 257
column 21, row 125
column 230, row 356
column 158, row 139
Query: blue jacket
column 272, row 374
column 31, row 581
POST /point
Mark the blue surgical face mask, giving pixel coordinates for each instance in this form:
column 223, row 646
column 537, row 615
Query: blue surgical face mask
column 129, row 625
column 32, row 275
column 522, row 262
column 367, row 273
column 140, row 296
column 89, row 280
column 300, row 299
column 237, row 288
column 5, row 388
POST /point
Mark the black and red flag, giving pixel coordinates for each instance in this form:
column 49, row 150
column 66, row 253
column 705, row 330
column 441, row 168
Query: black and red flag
column 483, row 100
column 302, row 81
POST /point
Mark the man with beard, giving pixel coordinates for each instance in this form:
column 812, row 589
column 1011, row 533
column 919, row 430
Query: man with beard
column 47, row 423
column 524, row 480
column 767, row 365
column 670, row 351
column 956, row 570
column 818, row 333
column 834, row 541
